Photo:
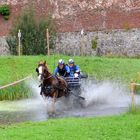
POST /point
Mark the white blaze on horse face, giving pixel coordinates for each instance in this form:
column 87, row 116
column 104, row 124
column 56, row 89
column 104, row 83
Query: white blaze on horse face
column 40, row 70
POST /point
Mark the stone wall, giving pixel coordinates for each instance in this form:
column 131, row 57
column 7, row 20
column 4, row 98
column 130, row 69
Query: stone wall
column 109, row 43
column 4, row 48
column 116, row 42
column 73, row 15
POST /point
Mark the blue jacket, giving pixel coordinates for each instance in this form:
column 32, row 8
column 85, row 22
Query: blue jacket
column 74, row 69
column 62, row 72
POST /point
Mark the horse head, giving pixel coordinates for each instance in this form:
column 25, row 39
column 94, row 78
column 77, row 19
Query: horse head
column 42, row 70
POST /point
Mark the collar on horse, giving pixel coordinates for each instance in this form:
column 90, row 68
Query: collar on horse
column 48, row 77
column 41, row 85
column 50, row 89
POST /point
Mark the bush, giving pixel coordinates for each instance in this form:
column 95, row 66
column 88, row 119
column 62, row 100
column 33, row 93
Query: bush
column 12, row 42
column 94, row 43
column 33, row 33
column 6, row 17
column 5, row 11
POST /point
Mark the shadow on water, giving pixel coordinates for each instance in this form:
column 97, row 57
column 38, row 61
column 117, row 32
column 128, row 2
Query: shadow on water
column 103, row 98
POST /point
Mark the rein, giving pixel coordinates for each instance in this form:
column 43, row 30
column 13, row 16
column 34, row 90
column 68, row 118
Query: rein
column 48, row 77
column 48, row 87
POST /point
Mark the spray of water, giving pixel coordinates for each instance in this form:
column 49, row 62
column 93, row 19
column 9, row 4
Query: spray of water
column 102, row 98
column 107, row 93
column 104, row 93
column 38, row 100
column 26, row 104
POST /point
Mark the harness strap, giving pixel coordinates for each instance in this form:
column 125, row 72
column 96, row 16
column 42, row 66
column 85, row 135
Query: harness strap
column 57, row 78
column 49, row 77
column 47, row 89
column 51, row 89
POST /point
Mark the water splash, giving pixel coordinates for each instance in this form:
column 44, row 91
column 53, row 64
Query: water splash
column 102, row 98
column 106, row 92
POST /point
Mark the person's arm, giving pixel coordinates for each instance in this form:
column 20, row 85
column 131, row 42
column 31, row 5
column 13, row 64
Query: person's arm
column 77, row 69
column 67, row 69
column 56, row 71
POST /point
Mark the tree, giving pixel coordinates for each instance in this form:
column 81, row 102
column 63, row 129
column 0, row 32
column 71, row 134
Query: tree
column 33, row 31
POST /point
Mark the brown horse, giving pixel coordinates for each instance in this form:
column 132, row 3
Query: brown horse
column 51, row 85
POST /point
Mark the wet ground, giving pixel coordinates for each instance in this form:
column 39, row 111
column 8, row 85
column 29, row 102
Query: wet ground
column 102, row 99
column 36, row 111
column 8, row 117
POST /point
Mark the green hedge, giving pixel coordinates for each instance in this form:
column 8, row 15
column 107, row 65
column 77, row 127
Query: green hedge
column 5, row 11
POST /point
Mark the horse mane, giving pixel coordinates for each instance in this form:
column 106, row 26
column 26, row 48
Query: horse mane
column 44, row 64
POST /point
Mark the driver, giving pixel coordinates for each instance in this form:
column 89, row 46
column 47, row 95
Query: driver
column 62, row 69
column 74, row 69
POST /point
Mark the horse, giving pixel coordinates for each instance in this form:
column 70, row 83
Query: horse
column 51, row 85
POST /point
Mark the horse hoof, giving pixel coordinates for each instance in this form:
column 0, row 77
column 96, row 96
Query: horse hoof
column 52, row 114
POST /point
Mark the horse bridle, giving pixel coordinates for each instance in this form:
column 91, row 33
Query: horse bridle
column 43, row 75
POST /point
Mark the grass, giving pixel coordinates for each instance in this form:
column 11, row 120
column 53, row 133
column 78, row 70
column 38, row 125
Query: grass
column 13, row 68
column 124, row 127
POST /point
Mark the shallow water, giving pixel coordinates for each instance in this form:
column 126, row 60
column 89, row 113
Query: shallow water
column 104, row 98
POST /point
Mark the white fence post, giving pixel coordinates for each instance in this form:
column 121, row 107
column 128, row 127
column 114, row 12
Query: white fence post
column 19, row 43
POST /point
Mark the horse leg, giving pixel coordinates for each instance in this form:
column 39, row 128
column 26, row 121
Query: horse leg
column 54, row 100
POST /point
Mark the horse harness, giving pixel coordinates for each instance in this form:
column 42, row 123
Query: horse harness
column 48, row 90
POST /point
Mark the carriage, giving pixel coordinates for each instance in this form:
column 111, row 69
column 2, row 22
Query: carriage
column 74, row 84
column 56, row 87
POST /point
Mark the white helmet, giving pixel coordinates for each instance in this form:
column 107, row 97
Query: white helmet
column 61, row 62
column 71, row 61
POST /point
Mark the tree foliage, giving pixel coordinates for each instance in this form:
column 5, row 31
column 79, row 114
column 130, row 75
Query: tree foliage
column 33, row 33
column 5, row 11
